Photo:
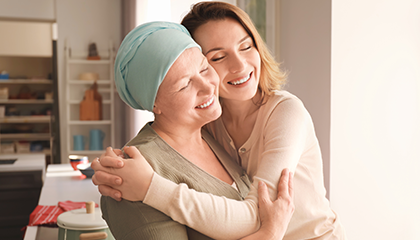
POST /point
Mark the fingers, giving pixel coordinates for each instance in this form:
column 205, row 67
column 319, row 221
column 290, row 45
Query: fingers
column 283, row 187
column 104, row 178
column 110, row 152
column 110, row 192
column 111, row 159
column 132, row 152
column 291, row 190
column 263, row 196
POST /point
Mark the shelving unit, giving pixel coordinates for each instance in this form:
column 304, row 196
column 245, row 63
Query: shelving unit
column 76, row 63
column 31, row 114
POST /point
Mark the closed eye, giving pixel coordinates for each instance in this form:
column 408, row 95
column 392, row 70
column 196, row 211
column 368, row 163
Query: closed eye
column 217, row 59
column 204, row 70
column 246, row 48
column 183, row 88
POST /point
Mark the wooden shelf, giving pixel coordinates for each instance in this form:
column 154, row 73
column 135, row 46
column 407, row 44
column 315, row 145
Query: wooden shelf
column 78, row 101
column 85, row 61
column 86, row 152
column 102, row 122
column 26, row 101
column 76, row 81
column 25, row 81
column 25, row 136
column 26, row 119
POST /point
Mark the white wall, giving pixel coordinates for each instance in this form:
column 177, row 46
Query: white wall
column 375, row 118
column 80, row 22
column 304, row 49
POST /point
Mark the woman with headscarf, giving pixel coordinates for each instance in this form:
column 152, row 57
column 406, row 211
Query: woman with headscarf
column 160, row 68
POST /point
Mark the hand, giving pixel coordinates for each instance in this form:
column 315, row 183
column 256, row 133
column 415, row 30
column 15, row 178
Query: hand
column 136, row 175
column 275, row 216
column 106, row 182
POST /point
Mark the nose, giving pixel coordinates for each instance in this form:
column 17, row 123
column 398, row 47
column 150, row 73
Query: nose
column 236, row 63
column 206, row 87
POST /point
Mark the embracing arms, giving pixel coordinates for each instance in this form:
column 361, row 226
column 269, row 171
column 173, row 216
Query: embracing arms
column 274, row 215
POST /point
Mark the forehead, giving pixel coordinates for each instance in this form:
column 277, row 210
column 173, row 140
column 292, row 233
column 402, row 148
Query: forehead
column 216, row 32
column 185, row 65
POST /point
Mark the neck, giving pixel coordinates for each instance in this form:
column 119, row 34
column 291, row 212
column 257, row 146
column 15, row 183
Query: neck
column 237, row 111
column 181, row 137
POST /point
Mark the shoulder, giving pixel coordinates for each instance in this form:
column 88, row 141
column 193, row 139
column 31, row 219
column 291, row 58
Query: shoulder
column 284, row 104
column 145, row 136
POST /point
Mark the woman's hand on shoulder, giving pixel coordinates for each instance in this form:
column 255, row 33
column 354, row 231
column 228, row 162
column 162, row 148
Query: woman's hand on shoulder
column 275, row 216
column 122, row 178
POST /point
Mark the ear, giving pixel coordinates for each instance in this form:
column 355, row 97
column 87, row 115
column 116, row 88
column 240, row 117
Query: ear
column 156, row 110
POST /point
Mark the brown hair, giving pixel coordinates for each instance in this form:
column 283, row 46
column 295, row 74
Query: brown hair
column 271, row 78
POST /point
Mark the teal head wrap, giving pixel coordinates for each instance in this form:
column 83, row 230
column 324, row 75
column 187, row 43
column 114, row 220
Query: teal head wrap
column 144, row 58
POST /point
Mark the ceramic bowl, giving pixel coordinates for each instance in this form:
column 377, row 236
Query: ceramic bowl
column 86, row 169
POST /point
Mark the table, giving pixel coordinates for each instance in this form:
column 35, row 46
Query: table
column 62, row 183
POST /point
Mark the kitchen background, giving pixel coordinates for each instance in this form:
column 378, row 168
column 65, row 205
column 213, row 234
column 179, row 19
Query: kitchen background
column 354, row 65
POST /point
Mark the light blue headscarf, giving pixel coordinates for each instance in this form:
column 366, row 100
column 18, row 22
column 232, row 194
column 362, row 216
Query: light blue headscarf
column 144, row 58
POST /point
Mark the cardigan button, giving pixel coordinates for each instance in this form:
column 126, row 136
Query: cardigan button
column 242, row 150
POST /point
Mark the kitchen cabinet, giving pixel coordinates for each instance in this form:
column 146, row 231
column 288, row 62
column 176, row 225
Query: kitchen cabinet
column 78, row 67
column 28, row 89
column 39, row 10
column 27, row 39
column 21, row 180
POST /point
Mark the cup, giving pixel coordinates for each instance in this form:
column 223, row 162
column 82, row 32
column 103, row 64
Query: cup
column 97, row 137
column 78, row 142
column 77, row 159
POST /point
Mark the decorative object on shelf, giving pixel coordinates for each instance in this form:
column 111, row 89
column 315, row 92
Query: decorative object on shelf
column 2, row 111
column 25, row 93
column 89, row 76
column 97, row 97
column 48, row 95
column 7, row 147
column 78, row 142
column 97, row 137
column 4, row 93
column 93, row 52
column 91, row 106
column 23, row 147
column 4, row 75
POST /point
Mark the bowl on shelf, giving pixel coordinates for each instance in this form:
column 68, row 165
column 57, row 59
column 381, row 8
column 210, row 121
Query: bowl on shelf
column 75, row 160
column 89, row 76
column 86, row 169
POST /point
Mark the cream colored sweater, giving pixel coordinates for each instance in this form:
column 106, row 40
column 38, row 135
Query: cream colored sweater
column 283, row 137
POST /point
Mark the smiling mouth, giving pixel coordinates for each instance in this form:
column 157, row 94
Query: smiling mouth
column 206, row 104
column 241, row 81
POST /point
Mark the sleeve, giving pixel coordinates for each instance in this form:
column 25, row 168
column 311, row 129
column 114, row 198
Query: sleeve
column 285, row 136
column 284, row 139
column 136, row 220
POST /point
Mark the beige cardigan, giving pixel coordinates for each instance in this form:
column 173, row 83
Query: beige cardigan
column 136, row 220
column 283, row 137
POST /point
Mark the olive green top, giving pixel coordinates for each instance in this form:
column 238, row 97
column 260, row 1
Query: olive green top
column 136, row 220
